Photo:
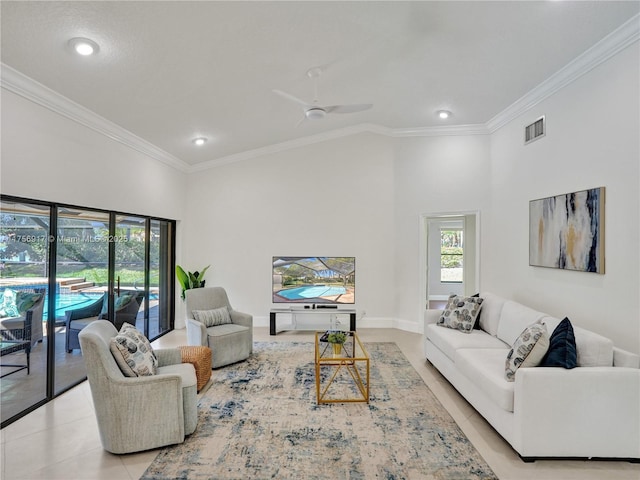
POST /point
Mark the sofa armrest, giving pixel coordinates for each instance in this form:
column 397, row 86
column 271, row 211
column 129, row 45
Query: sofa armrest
column 168, row 356
column 564, row 413
column 196, row 333
column 622, row 358
column 431, row 316
column 244, row 319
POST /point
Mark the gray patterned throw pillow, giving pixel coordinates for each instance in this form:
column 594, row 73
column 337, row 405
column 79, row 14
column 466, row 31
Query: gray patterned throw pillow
column 133, row 353
column 528, row 350
column 461, row 313
column 212, row 318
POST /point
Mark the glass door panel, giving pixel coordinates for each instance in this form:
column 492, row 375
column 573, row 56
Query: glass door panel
column 129, row 301
column 160, row 278
column 24, row 241
column 82, row 279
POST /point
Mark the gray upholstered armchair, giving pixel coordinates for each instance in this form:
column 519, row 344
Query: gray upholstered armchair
column 138, row 413
column 230, row 338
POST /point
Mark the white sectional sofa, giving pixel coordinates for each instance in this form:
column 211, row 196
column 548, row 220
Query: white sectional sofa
column 590, row 411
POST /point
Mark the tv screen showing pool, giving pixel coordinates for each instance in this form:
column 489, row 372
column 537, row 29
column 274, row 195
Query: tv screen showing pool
column 316, row 280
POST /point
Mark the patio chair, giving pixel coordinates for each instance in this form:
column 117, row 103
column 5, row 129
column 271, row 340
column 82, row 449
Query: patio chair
column 136, row 413
column 25, row 331
column 228, row 335
column 126, row 310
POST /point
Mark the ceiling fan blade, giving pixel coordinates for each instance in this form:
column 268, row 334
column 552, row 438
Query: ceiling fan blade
column 288, row 96
column 302, row 120
column 348, row 108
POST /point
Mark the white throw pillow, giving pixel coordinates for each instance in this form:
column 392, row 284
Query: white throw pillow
column 133, row 352
column 528, row 350
column 461, row 313
column 211, row 318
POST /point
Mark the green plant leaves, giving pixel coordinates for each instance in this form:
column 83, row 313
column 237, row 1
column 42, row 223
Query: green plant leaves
column 189, row 280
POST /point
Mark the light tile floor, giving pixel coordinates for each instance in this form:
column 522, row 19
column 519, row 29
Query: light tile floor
column 60, row 440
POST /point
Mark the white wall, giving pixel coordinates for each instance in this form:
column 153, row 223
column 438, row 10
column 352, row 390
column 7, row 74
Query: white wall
column 591, row 141
column 48, row 157
column 328, row 199
column 433, row 175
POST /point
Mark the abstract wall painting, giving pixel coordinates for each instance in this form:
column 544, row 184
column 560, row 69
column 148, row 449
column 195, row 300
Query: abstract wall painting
column 567, row 231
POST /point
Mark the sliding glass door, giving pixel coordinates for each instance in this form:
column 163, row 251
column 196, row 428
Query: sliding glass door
column 82, row 273
column 161, row 267
column 24, row 260
column 81, row 265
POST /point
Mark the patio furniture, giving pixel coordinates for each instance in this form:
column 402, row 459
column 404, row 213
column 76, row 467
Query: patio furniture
column 141, row 412
column 22, row 332
column 126, row 305
column 227, row 332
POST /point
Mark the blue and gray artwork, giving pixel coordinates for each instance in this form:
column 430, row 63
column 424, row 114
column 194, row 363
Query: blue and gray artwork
column 567, row 231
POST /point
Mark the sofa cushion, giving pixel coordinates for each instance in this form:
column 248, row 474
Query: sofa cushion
column 528, row 350
column 449, row 341
column 514, row 318
column 562, row 347
column 592, row 350
column 485, row 368
column 133, row 353
column 212, row 318
column 491, row 310
column 461, row 313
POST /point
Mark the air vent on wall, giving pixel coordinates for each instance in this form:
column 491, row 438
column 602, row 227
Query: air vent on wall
column 536, row 130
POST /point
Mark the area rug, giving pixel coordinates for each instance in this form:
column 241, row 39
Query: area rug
column 260, row 420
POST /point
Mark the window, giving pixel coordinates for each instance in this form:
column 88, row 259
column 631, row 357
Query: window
column 451, row 255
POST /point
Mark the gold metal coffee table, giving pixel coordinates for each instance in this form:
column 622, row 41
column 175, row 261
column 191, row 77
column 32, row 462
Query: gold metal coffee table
column 342, row 377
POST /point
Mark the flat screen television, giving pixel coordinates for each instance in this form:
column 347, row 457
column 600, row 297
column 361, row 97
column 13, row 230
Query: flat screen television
column 314, row 280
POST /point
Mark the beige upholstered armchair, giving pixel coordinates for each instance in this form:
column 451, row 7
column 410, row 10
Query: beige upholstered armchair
column 141, row 412
column 212, row 322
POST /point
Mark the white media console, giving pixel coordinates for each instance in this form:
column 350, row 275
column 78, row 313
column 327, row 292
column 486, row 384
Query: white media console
column 330, row 312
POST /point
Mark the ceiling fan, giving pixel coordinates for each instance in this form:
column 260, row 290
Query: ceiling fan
column 315, row 111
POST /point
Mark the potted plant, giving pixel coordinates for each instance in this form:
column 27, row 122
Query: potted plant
column 337, row 338
column 191, row 279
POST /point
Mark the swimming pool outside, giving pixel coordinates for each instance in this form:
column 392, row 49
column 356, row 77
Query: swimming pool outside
column 313, row 291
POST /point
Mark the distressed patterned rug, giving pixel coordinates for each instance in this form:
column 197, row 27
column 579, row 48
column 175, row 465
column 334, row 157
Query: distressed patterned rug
column 260, row 420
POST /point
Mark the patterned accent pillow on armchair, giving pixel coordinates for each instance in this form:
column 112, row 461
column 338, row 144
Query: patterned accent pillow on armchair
column 133, row 353
column 211, row 318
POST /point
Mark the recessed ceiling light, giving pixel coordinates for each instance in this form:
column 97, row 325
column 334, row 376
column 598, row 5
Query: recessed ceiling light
column 200, row 141
column 443, row 114
column 83, row 46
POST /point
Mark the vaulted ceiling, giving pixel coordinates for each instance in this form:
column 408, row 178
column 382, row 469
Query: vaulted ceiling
column 169, row 72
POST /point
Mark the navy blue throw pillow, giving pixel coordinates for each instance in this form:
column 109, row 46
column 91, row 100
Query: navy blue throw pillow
column 476, row 325
column 562, row 347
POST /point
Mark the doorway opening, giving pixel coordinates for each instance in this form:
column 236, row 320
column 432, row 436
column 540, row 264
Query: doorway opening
column 451, row 256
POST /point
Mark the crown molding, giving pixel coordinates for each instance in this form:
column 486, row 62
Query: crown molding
column 477, row 129
column 340, row 133
column 627, row 34
column 18, row 83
